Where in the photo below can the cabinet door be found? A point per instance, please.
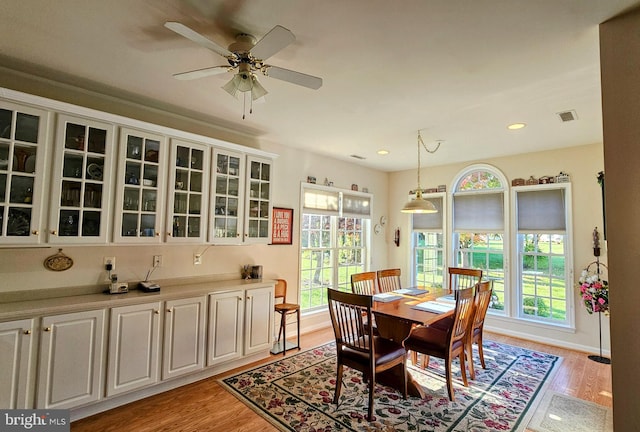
(184, 328)
(70, 368)
(80, 197)
(23, 133)
(257, 220)
(140, 187)
(134, 343)
(16, 377)
(227, 188)
(225, 326)
(258, 319)
(189, 190)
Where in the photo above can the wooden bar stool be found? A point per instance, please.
(284, 309)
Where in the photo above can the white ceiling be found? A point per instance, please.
(459, 70)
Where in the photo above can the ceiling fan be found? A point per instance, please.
(247, 56)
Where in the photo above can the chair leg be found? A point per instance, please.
(280, 330)
(336, 395)
(425, 361)
(447, 363)
(298, 318)
(414, 358)
(469, 353)
(404, 372)
(481, 352)
(463, 369)
(372, 385)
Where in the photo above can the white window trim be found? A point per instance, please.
(515, 279)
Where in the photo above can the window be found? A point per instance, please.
(479, 234)
(334, 231)
(543, 252)
(428, 244)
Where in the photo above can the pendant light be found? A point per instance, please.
(419, 204)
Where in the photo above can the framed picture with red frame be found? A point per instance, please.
(282, 226)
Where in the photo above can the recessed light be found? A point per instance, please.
(516, 126)
(383, 152)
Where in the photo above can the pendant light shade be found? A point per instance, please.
(419, 204)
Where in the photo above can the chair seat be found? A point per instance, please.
(385, 350)
(286, 307)
(429, 340)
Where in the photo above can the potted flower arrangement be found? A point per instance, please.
(594, 291)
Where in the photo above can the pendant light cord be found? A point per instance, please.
(420, 141)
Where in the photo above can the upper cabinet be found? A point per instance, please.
(258, 197)
(188, 192)
(241, 198)
(23, 137)
(71, 175)
(140, 187)
(81, 181)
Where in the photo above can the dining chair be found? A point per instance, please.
(356, 345)
(285, 309)
(460, 278)
(364, 283)
(448, 342)
(481, 300)
(388, 280)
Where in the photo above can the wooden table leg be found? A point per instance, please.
(396, 329)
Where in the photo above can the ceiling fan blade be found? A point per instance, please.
(294, 77)
(201, 73)
(277, 38)
(196, 37)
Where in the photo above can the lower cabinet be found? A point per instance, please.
(258, 320)
(134, 344)
(16, 360)
(225, 326)
(184, 328)
(70, 365)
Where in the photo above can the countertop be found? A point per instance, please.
(74, 303)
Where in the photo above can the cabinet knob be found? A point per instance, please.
(168, 234)
(35, 232)
(157, 312)
(54, 232)
(157, 234)
(169, 310)
(27, 332)
(47, 329)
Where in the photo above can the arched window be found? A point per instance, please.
(479, 209)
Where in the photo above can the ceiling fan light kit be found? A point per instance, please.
(419, 204)
(247, 56)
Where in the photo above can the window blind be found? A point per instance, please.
(321, 201)
(478, 212)
(542, 210)
(356, 206)
(429, 221)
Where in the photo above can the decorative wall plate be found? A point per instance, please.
(58, 262)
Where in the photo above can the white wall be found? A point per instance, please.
(582, 163)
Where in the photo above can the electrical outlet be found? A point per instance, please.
(110, 261)
(157, 260)
(197, 259)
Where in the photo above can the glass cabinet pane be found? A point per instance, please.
(226, 226)
(258, 216)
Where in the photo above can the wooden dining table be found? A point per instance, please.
(394, 320)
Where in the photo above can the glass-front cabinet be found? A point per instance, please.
(140, 187)
(258, 198)
(226, 204)
(23, 132)
(188, 192)
(80, 199)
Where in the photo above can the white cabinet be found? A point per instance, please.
(23, 148)
(188, 187)
(70, 368)
(140, 187)
(16, 360)
(226, 312)
(184, 329)
(134, 344)
(241, 198)
(258, 319)
(80, 206)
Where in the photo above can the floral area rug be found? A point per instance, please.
(561, 413)
(296, 393)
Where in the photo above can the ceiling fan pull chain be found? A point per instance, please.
(244, 104)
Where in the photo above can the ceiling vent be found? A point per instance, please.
(355, 156)
(567, 116)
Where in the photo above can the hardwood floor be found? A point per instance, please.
(205, 406)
